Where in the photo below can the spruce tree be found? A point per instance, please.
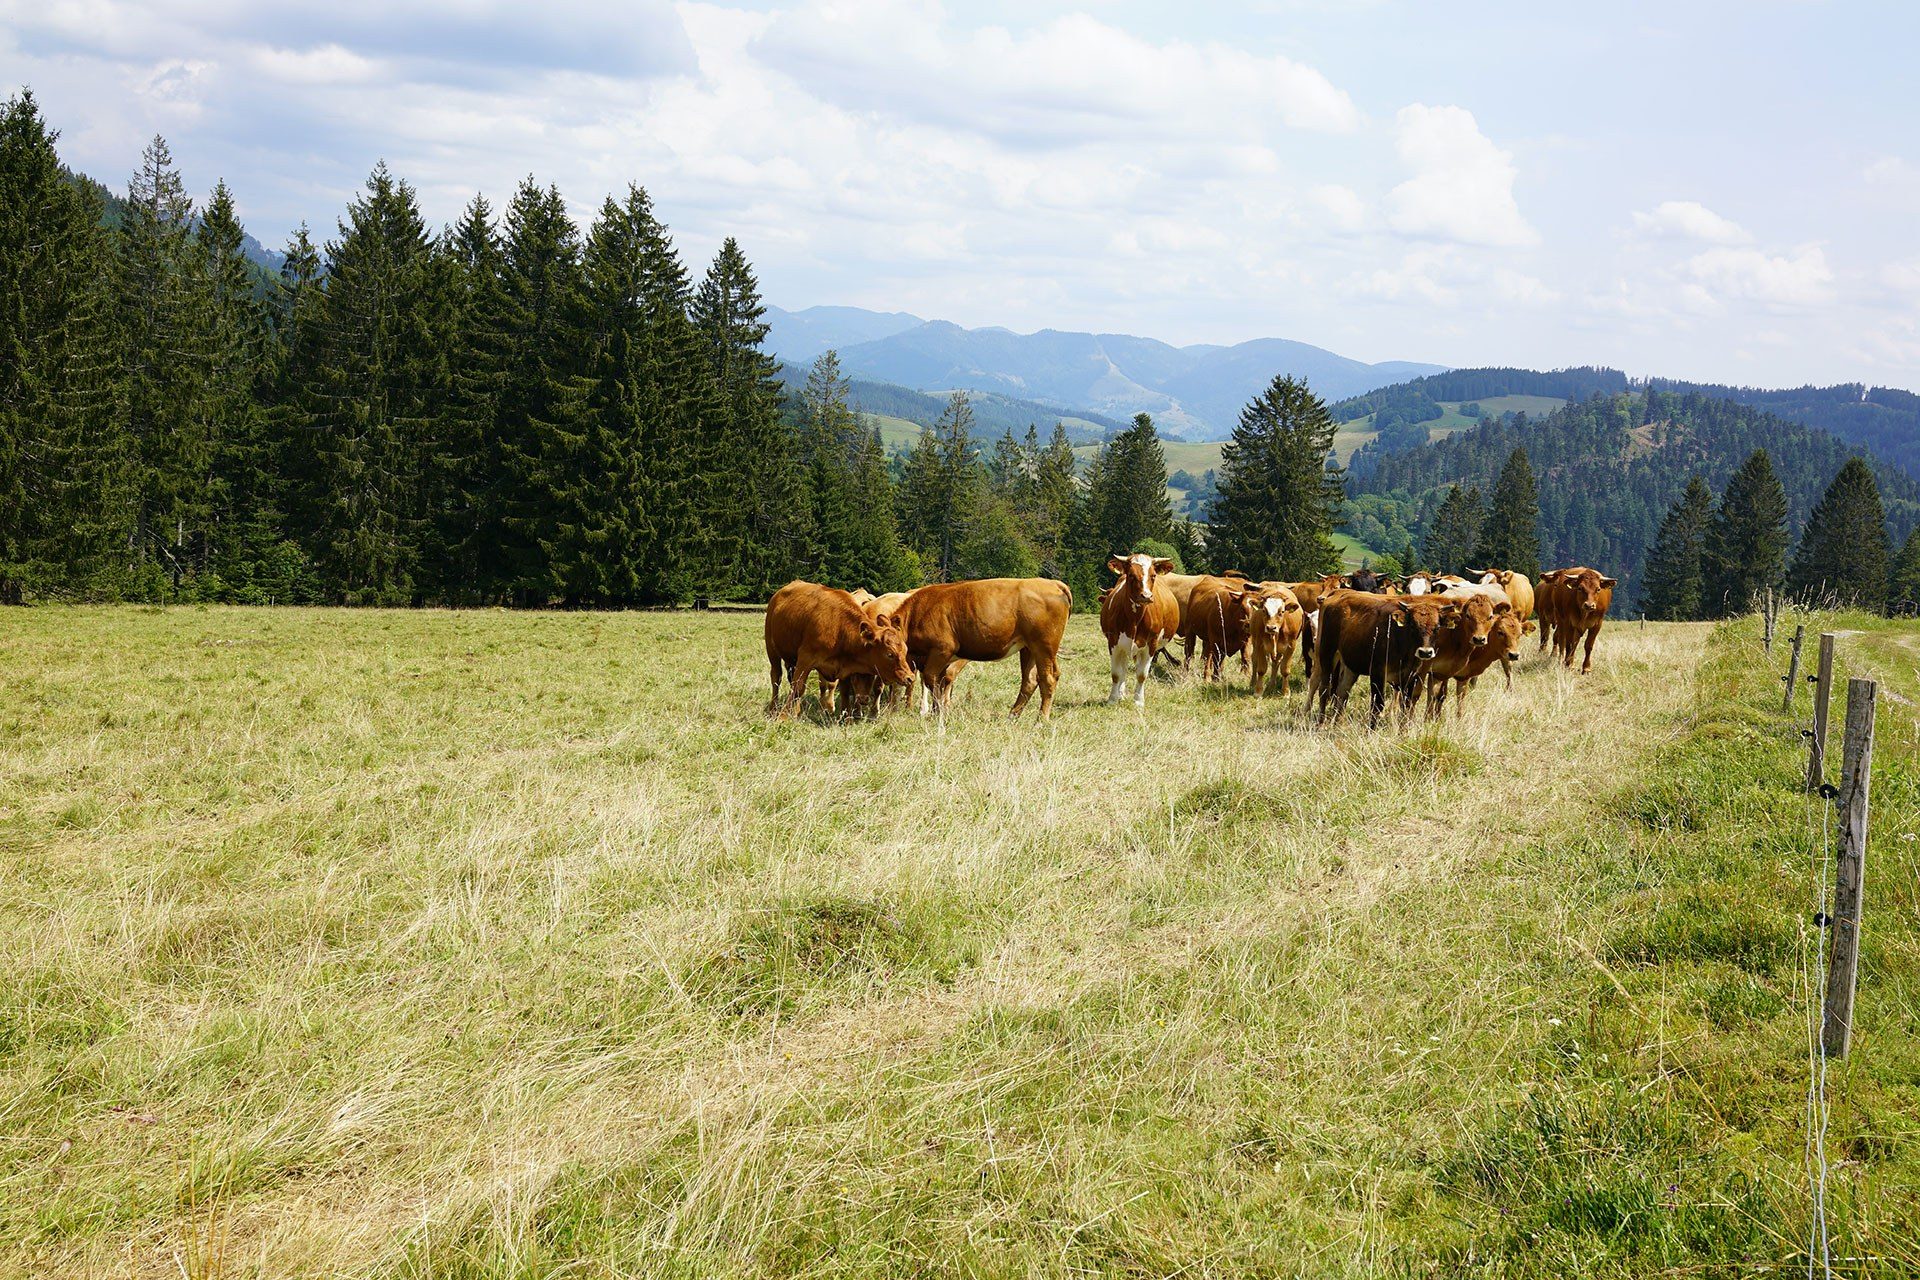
(247, 492)
(373, 393)
(940, 490)
(466, 471)
(1279, 499)
(1843, 554)
(173, 443)
(61, 464)
(830, 440)
(1055, 493)
(1510, 535)
(1746, 539)
(1454, 533)
(1675, 586)
(1128, 491)
(547, 512)
(1903, 585)
(759, 447)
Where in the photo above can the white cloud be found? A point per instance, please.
(1341, 209)
(1519, 287)
(1799, 277)
(1690, 220)
(1892, 171)
(1462, 188)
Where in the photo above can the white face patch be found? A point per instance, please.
(1417, 586)
(1273, 606)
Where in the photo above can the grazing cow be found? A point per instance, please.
(1518, 586)
(1216, 617)
(986, 620)
(813, 628)
(871, 695)
(1138, 614)
(1456, 647)
(1273, 624)
(1388, 641)
(1573, 605)
(1182, 585)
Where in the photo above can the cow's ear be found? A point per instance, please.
(1117, 563)
(1163, 565)
(1608, 582)
(1502, 606)
(867, 631)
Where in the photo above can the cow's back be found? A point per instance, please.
(986, 619)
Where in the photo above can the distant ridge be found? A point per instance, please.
(1196, 391)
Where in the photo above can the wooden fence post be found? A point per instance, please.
(1822, 695)
(1793, 667)
(1843, 953)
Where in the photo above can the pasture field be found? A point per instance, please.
(487, 945)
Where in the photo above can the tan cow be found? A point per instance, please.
(1274, 623)
(1518, 586)
(1217, 619)
(984, 621)
(810, 628)
(1138, 614)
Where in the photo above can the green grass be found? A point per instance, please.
(381, 944)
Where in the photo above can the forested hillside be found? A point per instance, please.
(992, 414)
(1608, 468)
(1883, 420)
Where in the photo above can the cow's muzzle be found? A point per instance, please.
(1424, 653)
(1478, 641)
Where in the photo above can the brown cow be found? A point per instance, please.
(1138, 614)
(1273, 625)
(1457, 647)
(984, 621)
(1217, 618)
(1389, 641)
(813, 628)
(1503, 640)
(1573, 605)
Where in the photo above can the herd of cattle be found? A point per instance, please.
(1421, 633)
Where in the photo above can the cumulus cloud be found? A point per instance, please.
(1462, 184)
(1690, 220)
(1799, 277)
(1892, 171)
(1074, 78)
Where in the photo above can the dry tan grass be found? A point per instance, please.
(376, 943)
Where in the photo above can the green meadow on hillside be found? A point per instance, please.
(417, 943)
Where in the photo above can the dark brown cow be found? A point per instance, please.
(1217, 618)
(1389, 641)
(984, 621)
(813, 628)
(1573, 604)
(1138, 614)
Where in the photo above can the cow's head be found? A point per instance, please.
(1585, 590)
(1266, 608)
(883, 644)
(1365, 580)
(1477, 616)
(1419, 619)
(1491, 577)
(1418, 584)
(1137, 573)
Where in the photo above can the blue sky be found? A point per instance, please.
(1723, 191)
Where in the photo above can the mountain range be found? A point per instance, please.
(1196, 391)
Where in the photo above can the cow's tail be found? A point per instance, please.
(1066, 591)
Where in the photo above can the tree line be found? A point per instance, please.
(514, 410)
(1608, 469)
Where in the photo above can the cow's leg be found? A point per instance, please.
(1344, 678)
(1586, 664)
(1048, 665)
(1119, 658)
(1284, 661)
(778, 669)
(935, 683)
(1506, 669)
(1258, 678)
(1460, 687)
(1142, 668)
(1029, 679)
(1186, 660)
(797, 686)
